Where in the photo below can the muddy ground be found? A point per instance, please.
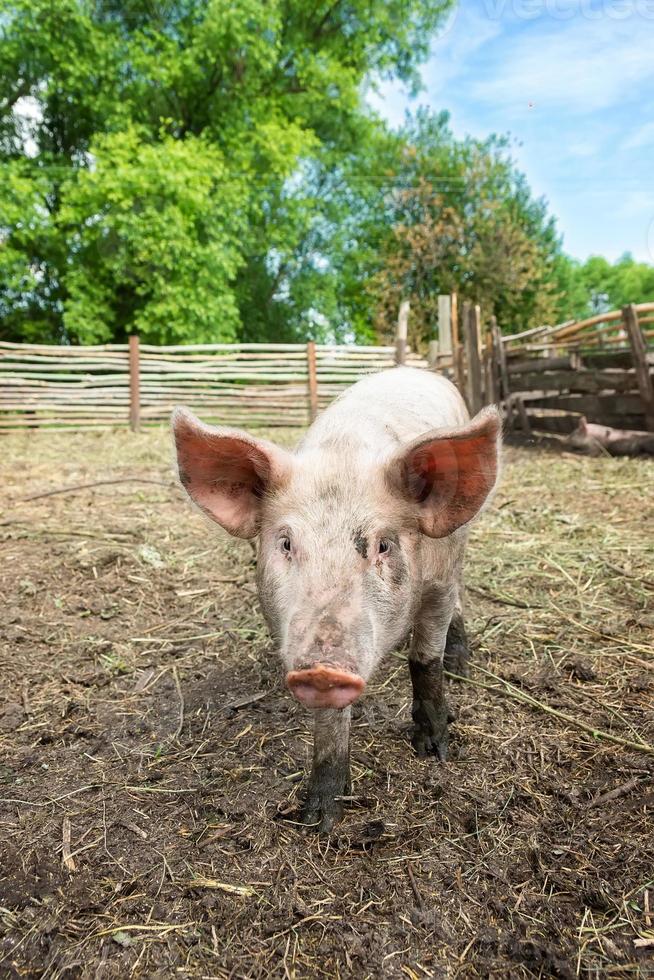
(151, 763)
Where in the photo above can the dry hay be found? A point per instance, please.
(151, 763)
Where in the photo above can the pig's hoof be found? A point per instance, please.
(430, 735)
(322, 808)
(321, 815)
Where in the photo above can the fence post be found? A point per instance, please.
(402, 330)
(500, 359)
(639, 355)
(472, 327)
(445, 324)
(134, 383)
(490, 383)
(457, 347)
(313, 379)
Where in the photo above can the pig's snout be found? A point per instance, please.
(321, 686)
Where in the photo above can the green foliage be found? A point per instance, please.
(601, 286)
(153, 158)
(161, 249)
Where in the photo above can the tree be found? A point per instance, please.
(464, 220)
(151, 142)
(597, 285)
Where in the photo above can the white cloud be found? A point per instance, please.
(578, 66)
(643, 136)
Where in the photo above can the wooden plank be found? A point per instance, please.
(560, 422)
(529, 364)
(518, 404)
(571, 330)
(639, 354)
(401, 332)
(445, 324)
(313, 380)
(458, 352)
(134, 383)
(582, 381)
(194, 348)
(63, 349)
(592, 406)
(504, 389)
(472, 327)
(510, 338)
(491, 394)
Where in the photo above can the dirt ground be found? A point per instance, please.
(151, 763)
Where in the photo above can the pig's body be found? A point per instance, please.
(362, 535)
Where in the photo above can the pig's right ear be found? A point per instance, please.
(227, 472)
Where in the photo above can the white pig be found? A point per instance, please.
(362, 531)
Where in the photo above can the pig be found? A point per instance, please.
(594, 439)
(361, 537)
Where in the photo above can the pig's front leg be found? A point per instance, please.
(430, 711)
(330, 773)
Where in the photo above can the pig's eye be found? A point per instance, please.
(285, 544)
(384, 546)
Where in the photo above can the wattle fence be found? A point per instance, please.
(137, 384)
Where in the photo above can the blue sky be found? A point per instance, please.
(572, 81)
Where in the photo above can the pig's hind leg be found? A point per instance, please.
(457, 648)
(430, 711)
(330, 773)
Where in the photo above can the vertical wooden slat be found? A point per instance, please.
(500, 358)
(445, 325)
(432, 354)
(402, 331)
(639, 354)
(490, 391)
(134, 383)
(313, 379)
(472, 327)
(518, 404)
(457, 346)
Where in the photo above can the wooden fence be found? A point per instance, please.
(545, 378)
(236, 384)
(600, 367)
(548, 377)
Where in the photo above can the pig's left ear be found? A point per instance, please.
(448, 474)
(227, 472)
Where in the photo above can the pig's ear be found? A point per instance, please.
(448, 474)
(227, 472)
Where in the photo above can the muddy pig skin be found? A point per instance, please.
(362, 531)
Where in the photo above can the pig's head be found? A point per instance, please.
(341, 561)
